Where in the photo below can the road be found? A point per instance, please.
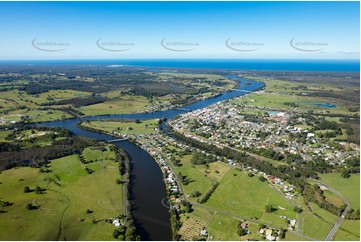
(338, 223)
(180, 185)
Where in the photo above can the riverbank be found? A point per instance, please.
(175, 200)
(148, 188)
(75, 197)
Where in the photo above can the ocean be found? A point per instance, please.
(229, 64)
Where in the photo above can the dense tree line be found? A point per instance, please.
(175, 224)
(269, 153)
(325, 124)
(209, 193)
(38, 156)
(353, 214)
(315, 194)
(353, 164)
(79, 101)
(351, 96)
(34, 88)
(126, 232)
(199, 158)
(8, 147)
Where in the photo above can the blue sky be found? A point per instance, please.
(277, 30)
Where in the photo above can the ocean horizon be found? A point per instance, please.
(323, 65)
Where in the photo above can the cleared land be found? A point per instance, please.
(305, 95)
(349, 230)
(280, 100)
(247, 197)
(70, 192)
(125, 104)
(237, 194)
(317, 222)
(124, 127)
(349, 187)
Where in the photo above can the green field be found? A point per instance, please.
(247, 197)
(64, 205)
(10, 102)
(3, 135)
(92, 154)
(349, 187)
(316, 227)
(333, 198)
(220, 227)
(278, 100)
(55, 95)
(125, 104)
(349, 230)
(36, 115)
(124, 127)
(199, 182)
(238, 195)
(277, 92)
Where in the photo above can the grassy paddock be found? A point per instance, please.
(144, 127)
(125, 104)
(315, 227)
(349, 187)
(247, 197)
(349, 230)
(65, 203)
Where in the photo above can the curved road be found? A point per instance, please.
(338, 223)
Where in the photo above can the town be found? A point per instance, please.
(271, 133)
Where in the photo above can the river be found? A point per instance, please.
(148, 189)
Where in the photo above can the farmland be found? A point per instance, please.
(123, 127)
(126, 104)
(74, 203)
(232, 196)
(115, 91)
(349, 187)
(305, 95)
(323, 219)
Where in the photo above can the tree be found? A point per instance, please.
(262, 179)
(262, 226)
(27, 189)
(137, 121)
(116, 234)
(188, 208)
(250, 174)
(29, 206)
(282, 233)
(196, 194)
(38, 190)
(345, 173)
(298, 209)
(269, 208)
